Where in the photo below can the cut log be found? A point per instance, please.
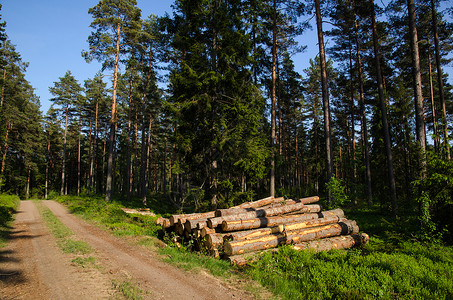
(189, 225)
(338, 242)
(179, 229)
(277, 202)
(245, 224)
(214, 222)
(292, 237)
(214, 240)
(308, 200)
(247, 207)
(258, 203)
(203, 224)
(142, 211)
(334, 212)
(251, 234)
(182, 218)
(206, 230)
(165, 223)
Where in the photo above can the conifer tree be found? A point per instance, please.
(116, 24)
(66, 92)
(325, 95)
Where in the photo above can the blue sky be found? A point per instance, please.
(50, 35)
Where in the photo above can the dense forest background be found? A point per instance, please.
(204, 108)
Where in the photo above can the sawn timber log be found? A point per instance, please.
(245, 224)
(337, 242)
(293, 237)
(214, 222)
(277, 202)
(251, 234)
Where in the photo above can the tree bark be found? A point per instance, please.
(286, 227)
(9, 127)
(3, 87)
(46, 183)
(184, 217)
(63, 166)
(246, 224)
(273, 97)
(440, 80)
(299, 207)
(109, 181)
(79, 157)
(385, 125)
(276, 201)
(433, 106)
(325, 97)
(27, 189)
(363, 118)
(416, 74)
(274, 240)
(338, 242)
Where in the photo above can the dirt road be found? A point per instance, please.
(33, 267)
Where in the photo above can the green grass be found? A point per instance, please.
(63, 234)
(76, 247)
(84, 262)
(8, 206)
(111, 216)
(129, 290)
(196, 261)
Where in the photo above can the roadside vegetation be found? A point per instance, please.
(8, 206)
(63, 234)
(398, 263)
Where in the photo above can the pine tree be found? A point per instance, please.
(66, 92)
(117, 23)
(325, 96)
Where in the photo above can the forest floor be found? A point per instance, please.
(32, 266)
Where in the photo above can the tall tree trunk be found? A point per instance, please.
(46, 183)
(3, 87)
(9, 127)
(78, 158)
(90, 155)
(273, 97)
(128, 155)
(351, 140)
(385, 125)
(325, 97)
(148, 162)
(109, 181)
(440, 81)
(416, 74)
(63, 175)
(363, 120)
(27, 189)
(94, 161)
(433, 107)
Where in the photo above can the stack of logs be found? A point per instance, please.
(241, 232)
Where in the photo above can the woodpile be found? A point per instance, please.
(242, 232)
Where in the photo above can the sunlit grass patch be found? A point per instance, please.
(84, 262)
(62, 233)
(129, 290)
